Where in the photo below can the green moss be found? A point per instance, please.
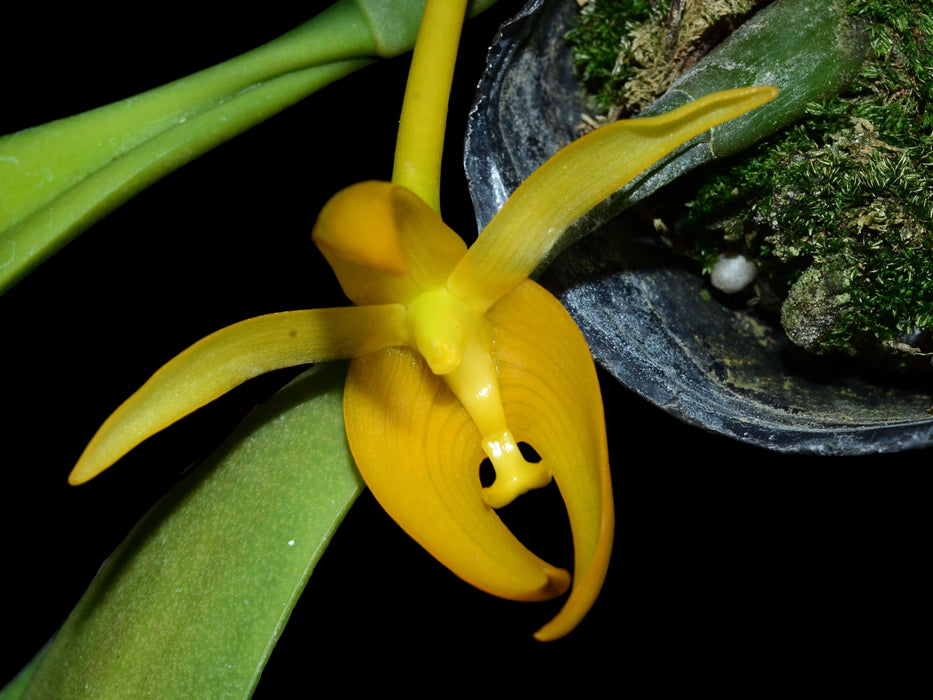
(837, 208)
(839, 203)
(598, 37)
(846, 192)
(627, 52)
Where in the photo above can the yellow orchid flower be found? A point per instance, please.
(456, 355)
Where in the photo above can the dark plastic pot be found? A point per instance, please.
(650, 319)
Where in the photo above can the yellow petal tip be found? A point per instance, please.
(85, 470)
(558, 582)
(76, 479)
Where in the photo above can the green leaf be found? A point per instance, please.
(192, 602)
(57, 179)
(810, 49)
(17, 686)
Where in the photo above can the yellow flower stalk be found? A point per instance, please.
(456, 355)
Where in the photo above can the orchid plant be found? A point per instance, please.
(456, 354)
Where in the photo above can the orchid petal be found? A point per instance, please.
(419, 452)
(385, 244)
(573, 181)
(552, 400)
(229, 357)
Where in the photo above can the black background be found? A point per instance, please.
(734, 567)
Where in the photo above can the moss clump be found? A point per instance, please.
(845, 193)
(597, 40)
(628, 52)
(841, 202)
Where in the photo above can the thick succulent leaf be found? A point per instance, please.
(59, 178)
(420, 455)
(552, 400)
(519, 239)
(16, 687)
(227, 358)
(385, 244)
(192, 602)
(42, 225)
(395, 24)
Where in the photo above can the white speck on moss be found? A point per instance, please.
(732, 273)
